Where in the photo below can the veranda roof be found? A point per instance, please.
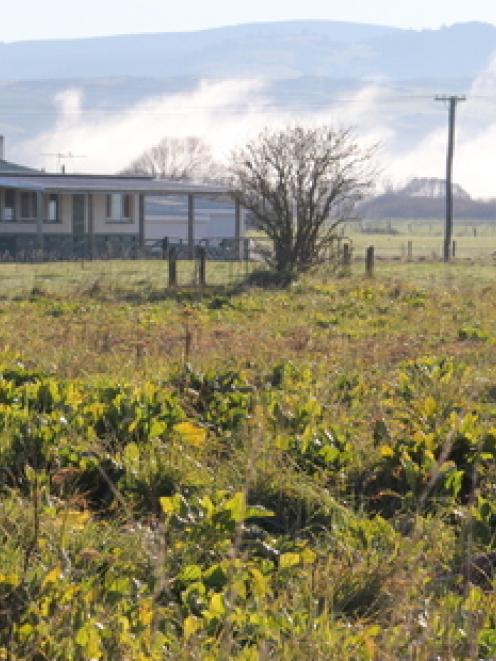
(76, 183)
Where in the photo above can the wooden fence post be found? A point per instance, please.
(172, 267)
(369, 261)
(453, 249)
(346, 255)
(202, 271)
(410, 251)
(165, 247)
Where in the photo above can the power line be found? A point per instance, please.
(261, 107)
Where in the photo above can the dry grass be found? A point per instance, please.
(130, 330)
(374, 588)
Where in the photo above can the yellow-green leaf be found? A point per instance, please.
(132, 454)
(216, 607)
(76, 520)
(53, 576)
(288, 560)
(259, 582)
(191, 433)
(308, 556)
(190, 626)
(30, 473)
(237, 507)
(89, 639)
(10, 579)
(145, 612)
(168, 505)
(190, 573)
(429, 406)
(386, 451)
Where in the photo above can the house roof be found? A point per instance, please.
(77, 183)
(6, 167)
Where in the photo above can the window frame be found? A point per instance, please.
(124, 204)
(52, 198)
(31, 206)
(12, 207)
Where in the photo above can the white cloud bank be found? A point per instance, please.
(475, 149)
(226, 113)
(222, 112)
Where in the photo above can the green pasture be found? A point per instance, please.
(246, 473)
(145, 278)
(474, 239)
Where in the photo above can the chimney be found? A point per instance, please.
(2, 148)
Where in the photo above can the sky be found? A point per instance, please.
(104, 139)
(49, 19)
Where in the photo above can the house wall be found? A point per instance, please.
(65, 226)
(102, 225)
(166, 216)
(23, 238)
(24, 227)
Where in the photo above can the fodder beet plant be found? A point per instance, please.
(259, 475)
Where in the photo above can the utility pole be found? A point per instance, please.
(448, 228)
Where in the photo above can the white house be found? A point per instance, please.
(107, 215)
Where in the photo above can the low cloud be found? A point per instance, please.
(221, 112)
(226, 113)
(475, 147)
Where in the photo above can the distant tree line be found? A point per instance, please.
(424, 199)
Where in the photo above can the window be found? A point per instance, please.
(9, 204)
(114, 206)
(53, 215)
(29, 205)
(119, 207)
(127, 206)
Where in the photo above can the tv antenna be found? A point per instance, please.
(61, 157)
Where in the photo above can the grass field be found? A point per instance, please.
(473, 239)
(265, 474)
(144, 276)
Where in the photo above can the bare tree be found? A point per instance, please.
(299, 184)
(179, 159)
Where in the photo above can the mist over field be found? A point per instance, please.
(108, 99)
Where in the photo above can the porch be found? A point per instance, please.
(73, 216)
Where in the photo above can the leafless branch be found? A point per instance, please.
(314, 174)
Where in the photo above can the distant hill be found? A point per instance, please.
(276, 50)
(307, 68)
(255, 49)
(424, 198)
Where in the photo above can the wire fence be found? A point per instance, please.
(422, 240)
(172, 263)
(126, 278)
(51, 248)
